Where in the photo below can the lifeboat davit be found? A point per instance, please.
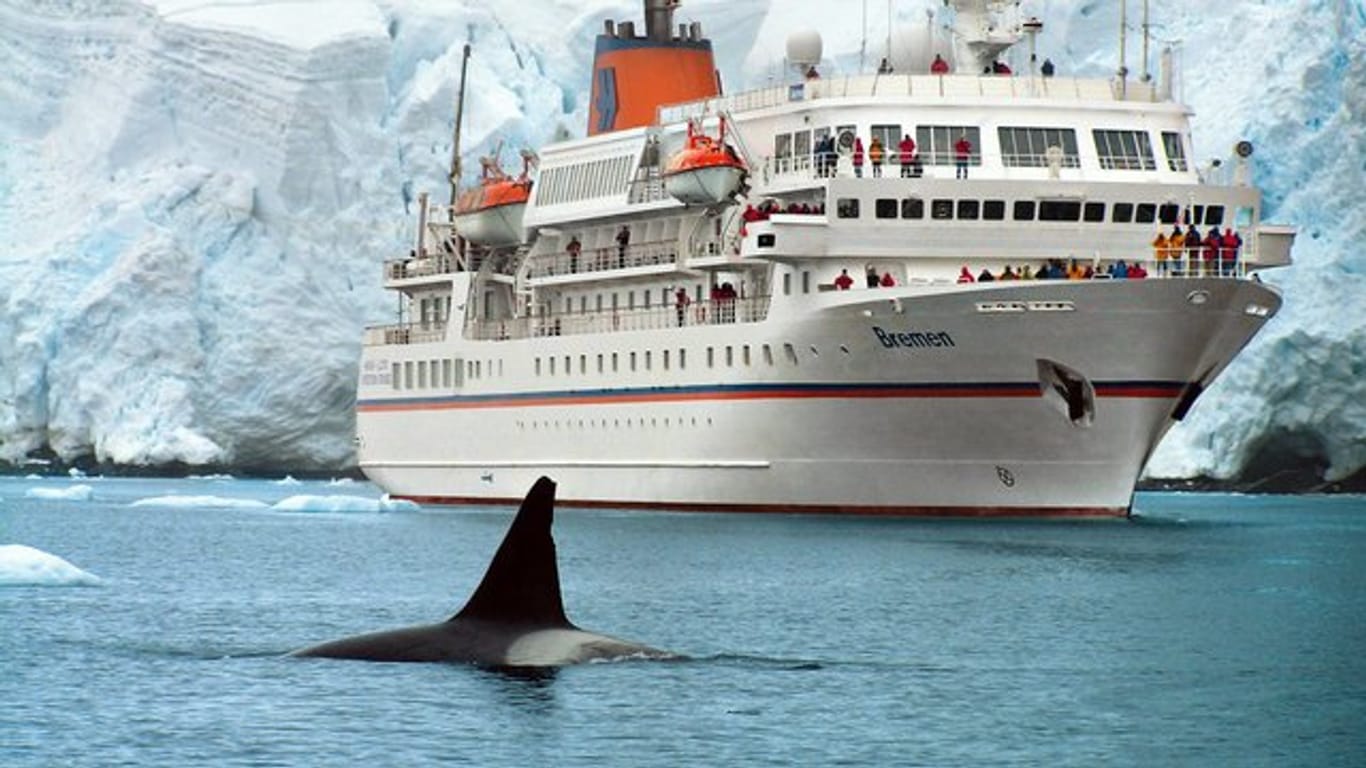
(491, 213)
(705, 171)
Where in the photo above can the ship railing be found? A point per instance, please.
(425, 266)
(919, 86)
(693, 313)
(609, 258)
(932, 164)
(404, 333)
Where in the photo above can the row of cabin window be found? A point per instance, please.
(440, 374)
(1031, 210)
(730, 356)
(584, 181)
(1021, 147)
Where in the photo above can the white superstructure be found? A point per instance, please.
(713, 362)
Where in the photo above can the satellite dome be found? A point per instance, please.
(804, 49)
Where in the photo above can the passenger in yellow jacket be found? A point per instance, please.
(1160, 252)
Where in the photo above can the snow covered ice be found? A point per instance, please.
(23, 566)
(196, 195)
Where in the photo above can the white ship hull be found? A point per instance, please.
(951, 424)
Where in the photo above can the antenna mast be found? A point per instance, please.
(459, 116)
(1123, 51)
(1147, 35)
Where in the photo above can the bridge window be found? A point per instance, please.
(935, 143)
(1024, 210)
(1176, 151)
(1093, 212)
(782, 146)
(1214, 215)
(1122, 213)
(912, 208)
(1169, 213)
(1124, 150)
(1028, 147)
(968, 210)
(885, 208)
(847, 208)
(941, 209)
(994, 210)
(1146, 213)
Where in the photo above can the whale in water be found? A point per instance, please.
(514, 619)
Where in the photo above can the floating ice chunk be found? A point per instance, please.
(75, 472)
(69, 493)
(22, 566)
(199, 502)
(211, 477)
(305, 503)
(341, 481)
(287, 480)
(33, 477)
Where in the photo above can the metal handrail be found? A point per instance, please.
(695, 313)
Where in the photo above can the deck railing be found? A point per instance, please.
(712, 312)
(593, 260)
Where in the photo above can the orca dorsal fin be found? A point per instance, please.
(522, 584)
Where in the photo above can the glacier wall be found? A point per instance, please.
(196, 195)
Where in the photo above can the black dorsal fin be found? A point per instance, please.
(522, 584)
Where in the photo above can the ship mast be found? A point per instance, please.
(459, 117)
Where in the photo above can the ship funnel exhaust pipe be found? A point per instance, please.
(659, 19)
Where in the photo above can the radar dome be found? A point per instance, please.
(912, 50)
(804, 49)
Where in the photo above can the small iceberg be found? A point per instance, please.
(69, 493)
(287, 480)
(199, 502)
(344, 504)
(22, 566)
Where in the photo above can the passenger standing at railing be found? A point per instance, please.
(623, 240)
(858, 157)
(1176, 244)
(1193, 242)
(574, 249)
(844, 282)
(908, 158)
(1160, 252)
(1212, 242)
(1074, 272)
(1047, 68)
(964, 276)
(1228, 253)
(871, 276)
(888, 281)
(875, 155)
(939, 66)
(963, 152)
(681, 302)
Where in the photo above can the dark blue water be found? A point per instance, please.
(1217, 630)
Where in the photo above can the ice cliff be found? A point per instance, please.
(195, 196)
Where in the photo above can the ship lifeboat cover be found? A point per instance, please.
(704, 172)
(491, 213)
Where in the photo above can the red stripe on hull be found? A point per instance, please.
(1035, 513)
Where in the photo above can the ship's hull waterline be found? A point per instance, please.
(923, 406)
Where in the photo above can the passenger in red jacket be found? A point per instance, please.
(1228, 252)
(964, 276)
(858, 157)
(939, 66)
(887, 280)
(908, 159)
(1211, 253)
(844, 282)
(962, 154)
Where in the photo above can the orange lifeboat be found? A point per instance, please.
(491, 213)
(705, 171)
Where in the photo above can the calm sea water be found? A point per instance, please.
(1216, 630)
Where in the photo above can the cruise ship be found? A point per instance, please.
(720, 302)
